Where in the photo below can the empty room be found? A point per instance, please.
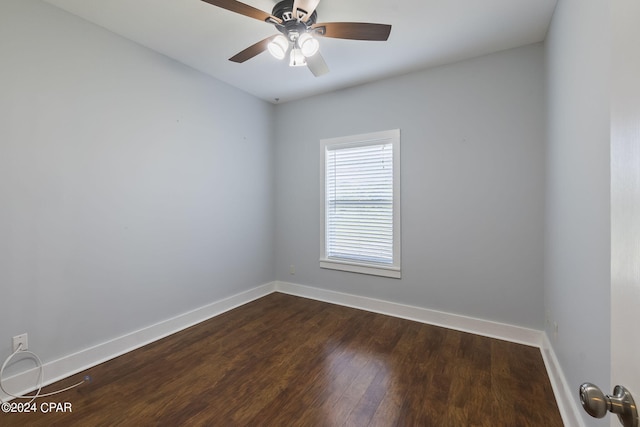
(319, 213)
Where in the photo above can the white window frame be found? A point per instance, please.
(392, 270)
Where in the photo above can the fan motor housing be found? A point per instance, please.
(291, 24)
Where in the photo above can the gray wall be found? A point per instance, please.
(132, 188)
(472, 185)
(577, 248)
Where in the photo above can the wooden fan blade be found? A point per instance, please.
(353, 30)
(317, 65)
(244, 9)
(307, 5)
(252, 50)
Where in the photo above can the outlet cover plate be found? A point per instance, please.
(20, 339)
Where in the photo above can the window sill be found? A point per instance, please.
(373, 270)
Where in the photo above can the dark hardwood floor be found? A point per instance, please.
(289, 361)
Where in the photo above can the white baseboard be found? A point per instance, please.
(486, 328)
(72, 364)
(564, 396)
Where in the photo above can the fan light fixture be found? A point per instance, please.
(296, 58)
(304, 46)
(278, 46)
(308, 45)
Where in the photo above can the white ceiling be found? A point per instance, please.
(424, 33)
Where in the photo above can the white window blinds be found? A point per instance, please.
(359, 203)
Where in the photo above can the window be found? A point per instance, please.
(360, 203)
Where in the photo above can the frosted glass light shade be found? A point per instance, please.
(296, 58)
(308, 45)
(278, 47)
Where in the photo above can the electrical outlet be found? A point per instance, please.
(555, 331)
(20, 339)
(292, 269)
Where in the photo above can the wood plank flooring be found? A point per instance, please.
(289, 361)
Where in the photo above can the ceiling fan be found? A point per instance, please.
(296, 21)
